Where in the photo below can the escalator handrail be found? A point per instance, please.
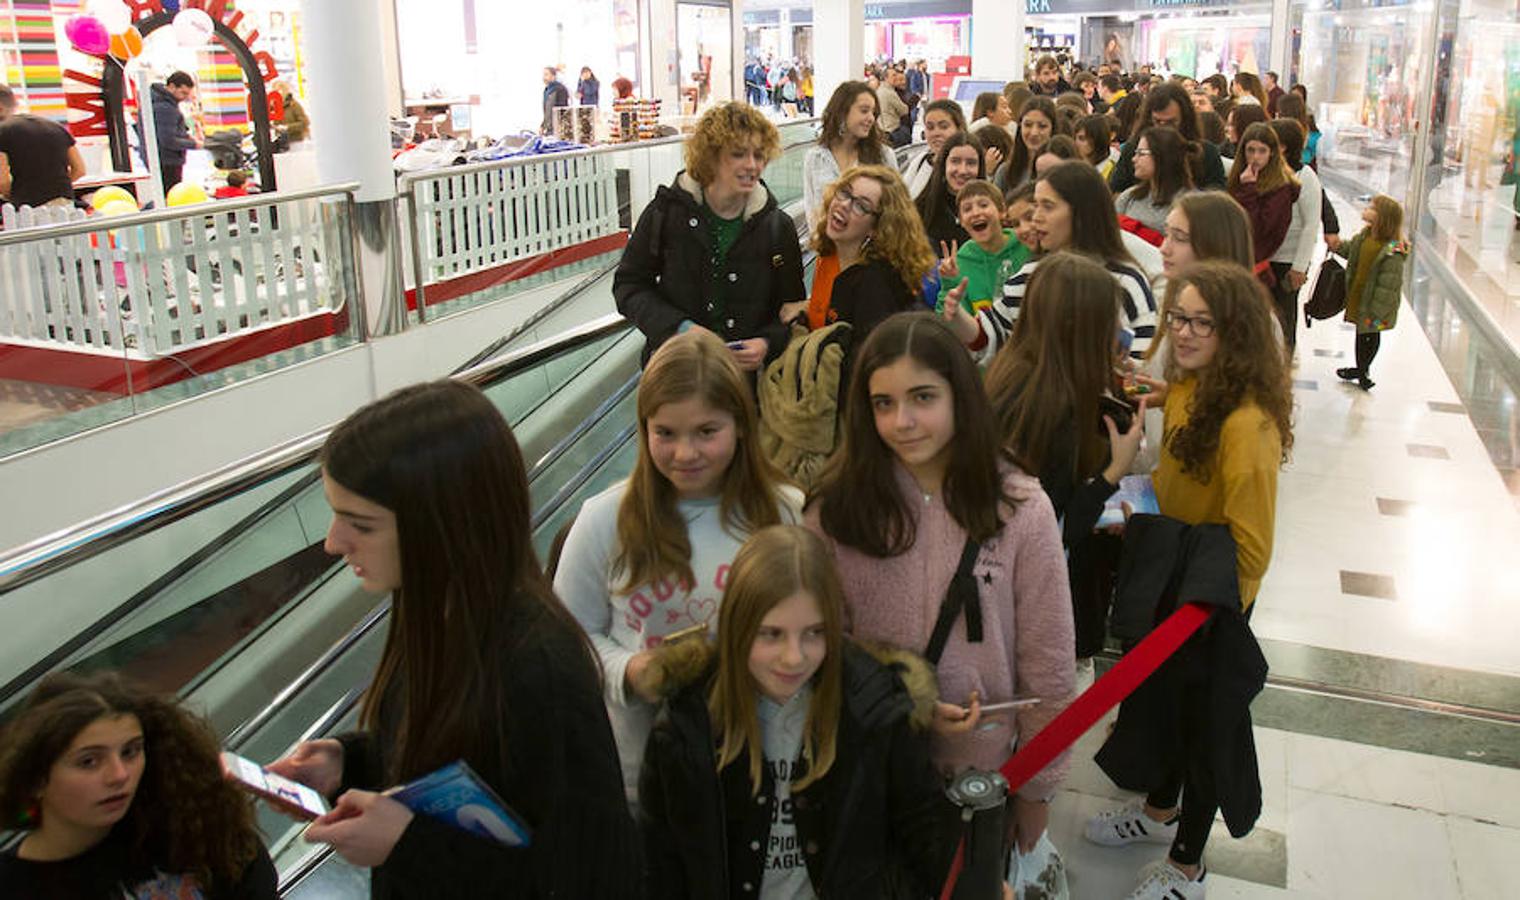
(539, 316)
(67, 547)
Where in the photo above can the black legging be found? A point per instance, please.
(1193, 779)
(1366, 350)
(1285, 300)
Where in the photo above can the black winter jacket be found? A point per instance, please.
(877, 826)
(867, 293)
(555, 765)
(663, 276)
(1220, 668)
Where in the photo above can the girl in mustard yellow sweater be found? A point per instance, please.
(1228, 401)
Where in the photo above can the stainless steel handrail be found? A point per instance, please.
(64, 548)
(176, 213)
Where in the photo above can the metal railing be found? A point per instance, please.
(157, 283)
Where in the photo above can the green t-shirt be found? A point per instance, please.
(724, 233)
(985, 272)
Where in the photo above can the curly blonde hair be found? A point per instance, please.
(726, 127)
(899, 239)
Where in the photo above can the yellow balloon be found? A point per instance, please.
(111, 194)
(117, 208)
(186, 194)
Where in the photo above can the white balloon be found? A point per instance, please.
(192, 27)
(113, 14)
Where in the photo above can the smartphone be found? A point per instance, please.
(735, 345)
(1017, 703)
(290, 797)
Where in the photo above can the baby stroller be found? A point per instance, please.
(226, 149)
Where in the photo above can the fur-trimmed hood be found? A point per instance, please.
(759, 198)
(881, 683)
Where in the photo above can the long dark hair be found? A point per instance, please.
(1173, 159)
(936, 198)
(1094, 227)
(441, 457)
(860, 505)
(1100, 134)
(869, 151)
(1044, 384)
(186, 817)
(1021, 166)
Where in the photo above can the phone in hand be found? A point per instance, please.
(735, 345)
(290, 797)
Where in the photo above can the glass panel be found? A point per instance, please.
(1363, 66)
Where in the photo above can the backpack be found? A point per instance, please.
(800, 396)
(1329, 296)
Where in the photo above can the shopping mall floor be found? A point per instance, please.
(1387, 584)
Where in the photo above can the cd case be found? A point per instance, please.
(457, 796)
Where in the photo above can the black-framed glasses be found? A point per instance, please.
(859, 206)
(1201, 326)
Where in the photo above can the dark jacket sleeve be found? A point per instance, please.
(362, 765)
(1270, 216)
(1122, 178)
(787, 286)
(1078, 505)
(258, 882)
(1214, 177)
(635, 284)
(664, 873)
(564, 781)
(923, 819)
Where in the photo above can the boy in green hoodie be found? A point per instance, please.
(994, 253)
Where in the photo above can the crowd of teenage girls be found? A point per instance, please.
(859, 550)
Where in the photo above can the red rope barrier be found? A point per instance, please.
(1084, 712)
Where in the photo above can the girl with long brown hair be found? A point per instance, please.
(1228, 403)
(927, 515)
(1164, 164)
(649, 556)
(431, 505)
(1262, 183)
(960, 162)
(848, 137)
(1054, 392)
(119, 792)
(788, 759)
(1037, 124)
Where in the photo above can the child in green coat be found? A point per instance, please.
(1374, 282)
(994, 253)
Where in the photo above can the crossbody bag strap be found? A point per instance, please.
(962, 594)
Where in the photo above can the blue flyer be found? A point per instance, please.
(1134, 490)
(455, 794)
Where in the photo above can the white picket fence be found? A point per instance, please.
(154, 284)
(471, 218)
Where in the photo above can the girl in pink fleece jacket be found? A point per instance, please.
(918, 473)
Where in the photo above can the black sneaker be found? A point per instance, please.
(1349, 374)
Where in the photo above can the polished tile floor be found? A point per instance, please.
(1397, 524)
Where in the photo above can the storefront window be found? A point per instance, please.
(1201, 44)
(706, 38)
(1362, 65)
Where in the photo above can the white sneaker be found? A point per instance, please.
(1085, 674)
(1161, 880)
(1129, 825)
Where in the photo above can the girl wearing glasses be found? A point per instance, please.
(871, 249)
(1228, 431)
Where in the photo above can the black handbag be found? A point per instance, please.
(1329, 295)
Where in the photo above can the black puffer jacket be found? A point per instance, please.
(663, 277)
(878, 825)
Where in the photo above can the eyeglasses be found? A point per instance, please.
(1201, 326)
(857, 205)
(1142, 152)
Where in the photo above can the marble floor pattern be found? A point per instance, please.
(1393, 531)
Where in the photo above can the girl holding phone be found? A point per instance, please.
(120, 792)
(920, 500)
(788, 751)
(650, 556)
(430, 504)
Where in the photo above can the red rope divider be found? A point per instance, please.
(1084, 712)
